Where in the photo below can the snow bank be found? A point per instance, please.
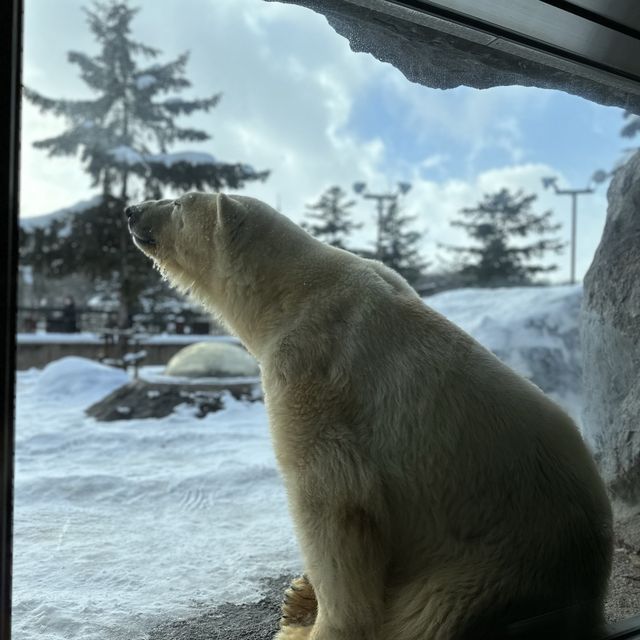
(78, 381)
(120, 525)
(534, 330)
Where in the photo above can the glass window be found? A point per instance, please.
(148, 498)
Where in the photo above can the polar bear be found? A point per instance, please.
(436, 494)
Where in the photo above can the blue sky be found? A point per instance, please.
(525, 125)
(298, 101)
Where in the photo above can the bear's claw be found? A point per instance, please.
(299, 606)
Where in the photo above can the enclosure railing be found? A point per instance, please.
(91, 320)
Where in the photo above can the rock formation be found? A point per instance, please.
(611, 338)
(444, 55)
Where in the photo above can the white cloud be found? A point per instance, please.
(436, 204)
(289, 85)
(47, 184)
(285, 100)
(479, 119)
(433, 161)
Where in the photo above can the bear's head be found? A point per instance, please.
(209, 243)
(192, 238)
(176, 234)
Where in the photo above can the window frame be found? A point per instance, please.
(11, 12)
(11, 34)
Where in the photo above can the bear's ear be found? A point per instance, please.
(229, 212)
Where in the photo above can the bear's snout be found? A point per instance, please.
(133, 213)
(129, 211)
(141, 233)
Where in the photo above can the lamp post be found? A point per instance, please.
(380, 199)
(597, 178)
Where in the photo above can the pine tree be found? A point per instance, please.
(333, 215)
(398, 246)
(493, 224)
(122, 137)
(633, 125)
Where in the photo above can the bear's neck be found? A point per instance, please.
(261, 301)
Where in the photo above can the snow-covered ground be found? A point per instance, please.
(120, 525)
(533, 329)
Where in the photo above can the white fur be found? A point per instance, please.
(431, 487)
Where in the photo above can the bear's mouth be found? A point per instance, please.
(142, 240)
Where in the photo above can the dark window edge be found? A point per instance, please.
(11, 21)
(527, 41)
(626, 629)
(10, 88)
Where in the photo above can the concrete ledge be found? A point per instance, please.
(37, 350)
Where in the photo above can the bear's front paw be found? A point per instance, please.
(293, 633)
(299, 607)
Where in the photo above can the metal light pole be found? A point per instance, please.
(381, 199)
(598, 177)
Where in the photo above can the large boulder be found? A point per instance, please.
(140, 399)
(212, 360)
(611, 339)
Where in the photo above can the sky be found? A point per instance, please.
(296, 100)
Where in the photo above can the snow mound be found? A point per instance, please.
(212, 360)
(78, 381)
(534, 330)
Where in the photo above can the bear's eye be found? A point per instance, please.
(177, 204)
